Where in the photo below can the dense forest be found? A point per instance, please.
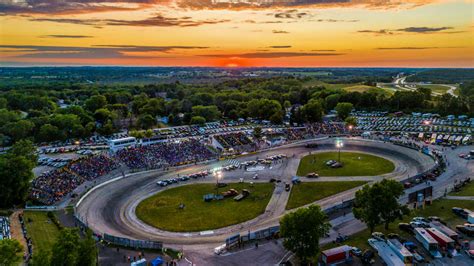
(57, 111)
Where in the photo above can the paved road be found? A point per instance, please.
(400, 83)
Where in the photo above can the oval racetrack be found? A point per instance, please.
(110, 208)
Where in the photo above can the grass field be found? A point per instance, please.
(308, 192)
(467, 190)
(355, 164)
(440, 208)
(436, 88)
(161, 210)
(42, 231)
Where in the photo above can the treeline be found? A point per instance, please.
(443, 76)
(77, 111)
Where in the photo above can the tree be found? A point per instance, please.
(40, 258)
(87, 251)
(344, 109)
(19, 130)
(95, 102)
(64, 250)
(378, 203)
(302, 229)
(312, 111)
(15, 173)
(351, 121)
(146, 121)
(257, 133)
(10, 252)
(331, 101)
(198, 120)
(210, 113)
(49, 133)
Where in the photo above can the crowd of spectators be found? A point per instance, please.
(165, 154)
(93, 167)
(328, 128)
(53, 186)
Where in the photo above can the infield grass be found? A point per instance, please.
(162, 210)
(308, 192)
(354, 164)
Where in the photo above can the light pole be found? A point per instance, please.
(339, 145)
(218, 176)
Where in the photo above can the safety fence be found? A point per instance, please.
(238, 240)
(123, 241)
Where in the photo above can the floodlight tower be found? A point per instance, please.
(339, 145)
(217, 175)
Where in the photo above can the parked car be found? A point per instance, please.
(312, 175)
(405, 227)
(356, 251)
(378, 236)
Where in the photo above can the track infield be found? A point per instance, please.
(354, 164)
(162, 210)
(308, 192)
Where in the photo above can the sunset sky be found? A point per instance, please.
(238, 33)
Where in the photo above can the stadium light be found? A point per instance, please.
(339, 145)
(217, 175)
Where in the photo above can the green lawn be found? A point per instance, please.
(42, 231)
(355, 164)
(440, 208)
(436, 88)
(161, 210)
(308, 192)
(467, 190)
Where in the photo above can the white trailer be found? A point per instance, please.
(385, 252)
(428, 242)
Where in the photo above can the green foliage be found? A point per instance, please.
(302, 229)
(95, 102)
(146, 121)
(351, 121)
(40, 258)
(15, 173)
(65, 249)
(312, 111)
(257, 133)
(10, 252)
(198, 120)
(378, 203)
(344, 109)
(210, 113)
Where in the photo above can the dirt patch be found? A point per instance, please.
(15, 228)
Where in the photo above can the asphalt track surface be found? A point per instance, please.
(111, 208)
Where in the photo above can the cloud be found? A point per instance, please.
(270, 55)
(414, 48)
(11, 7)
(280, 32)
(65, 36)
(17, 7)
(337, 20)
(420, 30)
(323, 50)
(424, 29)
(268, 4)
(155, 21)
(279, 46)
(290, 14)
(98, 51)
